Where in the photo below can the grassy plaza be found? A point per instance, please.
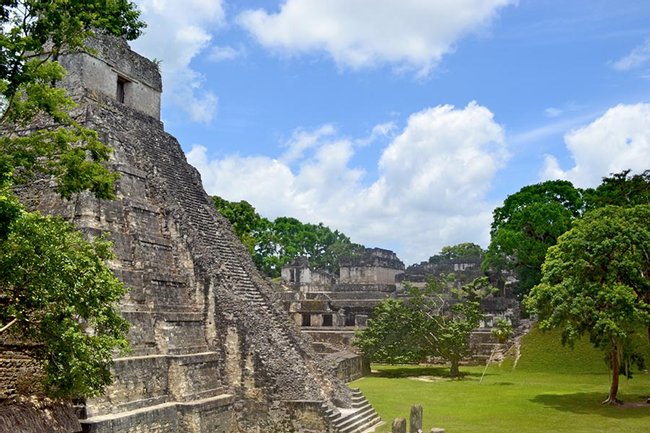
(550, 389)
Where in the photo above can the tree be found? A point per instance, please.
(596, 281)
(246, 222)
(273, 244)
(455, 325)
(58, 293)
(389, 336)
(427, 323)
(34, 34)
(459, 251)
(528, 223)
(56, 290)
(620, 189)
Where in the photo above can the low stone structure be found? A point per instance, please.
(211, 352)
(376, 266)
(330, 309)
(453, 271)
(320, 300)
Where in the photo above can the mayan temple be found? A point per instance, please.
(211, 352)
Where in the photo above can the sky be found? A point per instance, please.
(401, 123)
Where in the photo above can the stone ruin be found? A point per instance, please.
(211, 352)
(330, 309)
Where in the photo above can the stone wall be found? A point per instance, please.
(348, 366)
(463, 270)
(109, 67)
(38, 416)
(19, 372)
(374, 266)
(300, 277)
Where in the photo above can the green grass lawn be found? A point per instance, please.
(552, 389)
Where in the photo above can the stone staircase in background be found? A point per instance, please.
(274, 328)
(358, 419)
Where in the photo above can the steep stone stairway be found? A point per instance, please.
(360, 418)
(270, 330)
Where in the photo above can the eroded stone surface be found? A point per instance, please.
(415, 421)
(399, 425)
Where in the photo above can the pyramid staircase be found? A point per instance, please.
(358, 419)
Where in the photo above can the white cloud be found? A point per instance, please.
(302, 140)
(553, 112)
(430, 191)
(221, 53)
(638, 57)
(617, 141)
(382, 130)
(408, 34)
(176, 33)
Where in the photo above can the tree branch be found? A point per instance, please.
(4, 328)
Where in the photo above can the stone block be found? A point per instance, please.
(416, 419)
(399, 425)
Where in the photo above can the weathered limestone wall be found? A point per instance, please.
(348, 366)
(38, 416)
(464, 270)
(19, 372)
(300, 277)
(375, 266)
(107, 59)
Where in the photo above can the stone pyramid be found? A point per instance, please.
(212, 352)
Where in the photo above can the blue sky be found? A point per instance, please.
(402, 123)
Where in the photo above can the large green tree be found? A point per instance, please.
(425, 324)
(528, 223)
(55, 288)
(596, 281)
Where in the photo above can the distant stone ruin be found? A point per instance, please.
(330, 309)
(211, 352)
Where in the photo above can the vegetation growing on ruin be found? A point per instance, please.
(55, 288)
(465, 250)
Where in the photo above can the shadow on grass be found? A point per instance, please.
(398, 372)
(590, 403)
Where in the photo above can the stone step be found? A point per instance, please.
(354, 421)
(369, 426)
(358, 401)
(135, 417)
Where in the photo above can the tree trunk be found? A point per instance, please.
(453, 372)
(615, 365)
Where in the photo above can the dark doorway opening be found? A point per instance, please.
(121, 89)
